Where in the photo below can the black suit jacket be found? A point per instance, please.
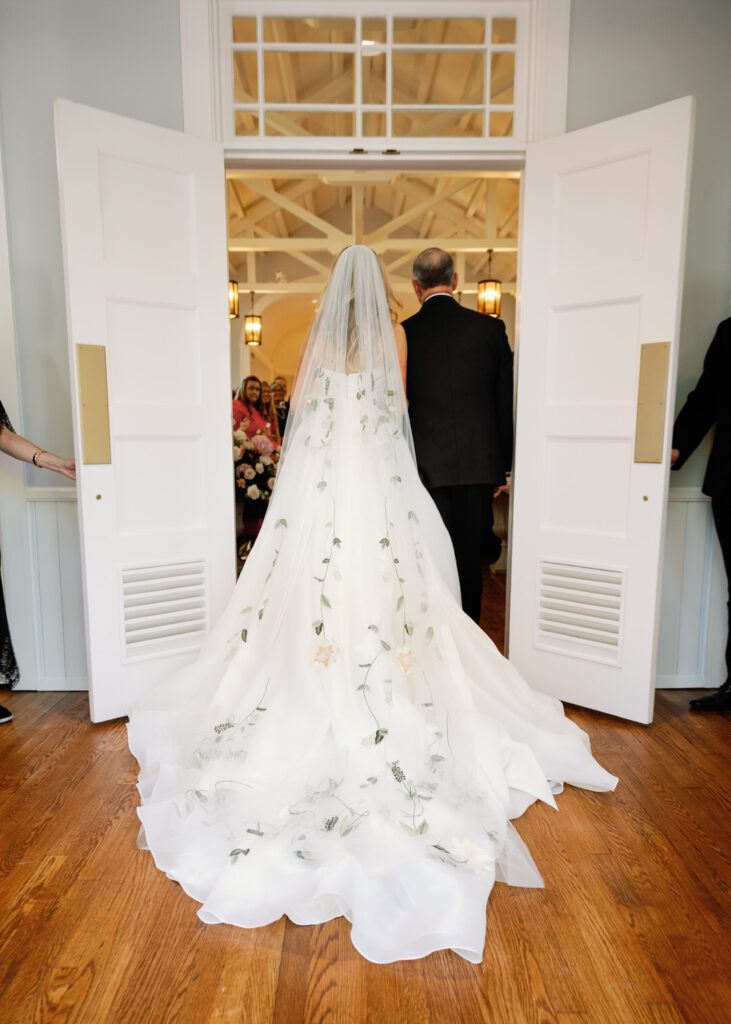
(459, 382)
(709, 403)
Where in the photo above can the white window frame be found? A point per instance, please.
(229, 9)
(541, 84)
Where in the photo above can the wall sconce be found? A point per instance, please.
(233, 300)
(252, 327)
(489, 292)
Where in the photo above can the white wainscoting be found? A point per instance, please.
(693, 614)
(56, 586)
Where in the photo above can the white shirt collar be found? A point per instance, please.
(436, 294)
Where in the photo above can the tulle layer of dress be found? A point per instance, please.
(349, 742)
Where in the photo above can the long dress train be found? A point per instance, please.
(349, 742)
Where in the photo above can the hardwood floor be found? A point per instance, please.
(632, 925)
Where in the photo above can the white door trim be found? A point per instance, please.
(16, 556)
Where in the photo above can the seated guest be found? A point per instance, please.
(248, 414)
(281, 405)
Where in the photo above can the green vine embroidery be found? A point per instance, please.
(363, 688)
(225, 731)
(407, 628)
(319, 624)
(411, 790)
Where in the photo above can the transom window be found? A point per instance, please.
(377, 78)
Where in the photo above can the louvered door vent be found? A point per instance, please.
(580, 609)
(165, 608)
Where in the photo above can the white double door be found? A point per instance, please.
(144, 232)
(143, 224)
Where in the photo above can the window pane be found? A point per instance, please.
(245, 123)
(374, 78)
(374, 123)
(244, 30)
(308, 77)
(503, 30)
(466, 123)
(307, 122)
(309, 30)
(374, 29)
(501, 123)
(439, 30)
(433, 77)
(246, 85)
(502, 77)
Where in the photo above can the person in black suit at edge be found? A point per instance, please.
(459, 384)
(706, 405)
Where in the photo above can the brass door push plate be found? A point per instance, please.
(94, 405)
(651, 398)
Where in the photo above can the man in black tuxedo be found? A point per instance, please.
(459, 383)
(710, 403)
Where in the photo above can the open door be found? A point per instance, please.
(602, 253)
(144, 237)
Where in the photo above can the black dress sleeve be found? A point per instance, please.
(5, 423)
(700, 411)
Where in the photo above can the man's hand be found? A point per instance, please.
(674, 456)
(505, 489)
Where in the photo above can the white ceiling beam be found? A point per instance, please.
(415, 211)
(315, 285)
(264, 208)
(308, 261)
(294, 245)
(283, 202)
(348, 177)
(449, 209)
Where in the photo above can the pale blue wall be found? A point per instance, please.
(631, 54)
(120, 55)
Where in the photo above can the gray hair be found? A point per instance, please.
(432, 268)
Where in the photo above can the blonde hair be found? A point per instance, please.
(394, 305)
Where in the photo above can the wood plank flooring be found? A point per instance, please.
(632, 926)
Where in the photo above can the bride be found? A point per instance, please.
(348, 741)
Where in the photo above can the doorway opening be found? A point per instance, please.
(285, 227)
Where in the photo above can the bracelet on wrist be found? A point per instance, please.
(39, 451)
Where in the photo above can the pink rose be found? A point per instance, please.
(261, 444)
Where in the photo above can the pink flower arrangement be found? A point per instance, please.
(255, 466)
(262, 444)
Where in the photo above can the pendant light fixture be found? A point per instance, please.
(233, 300)
(252, 327)
(489, 292)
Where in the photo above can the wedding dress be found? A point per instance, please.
(349, 742)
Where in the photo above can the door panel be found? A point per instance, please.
(144, 234)
(602, 253)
